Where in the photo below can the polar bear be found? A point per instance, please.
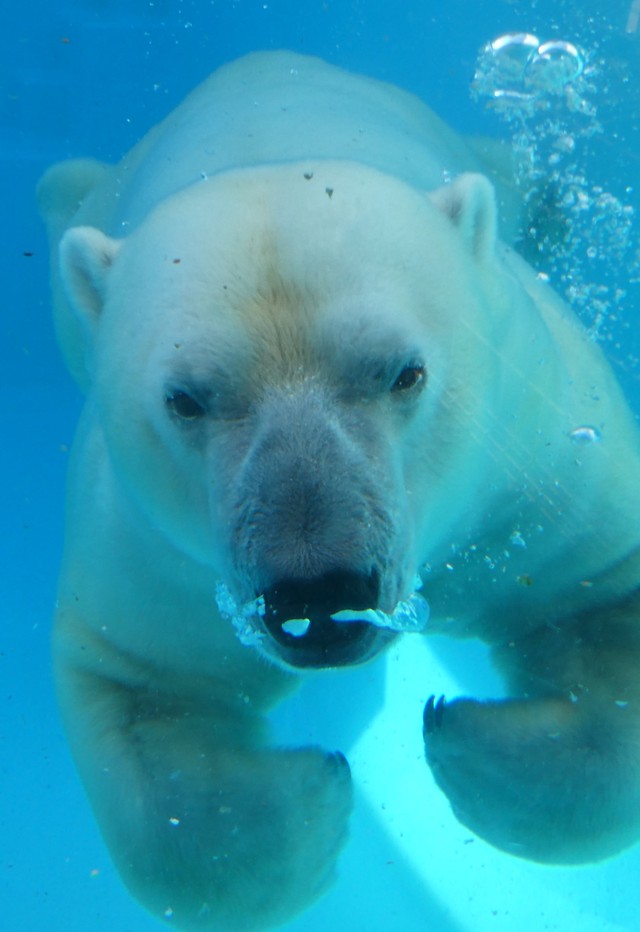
(313, 371)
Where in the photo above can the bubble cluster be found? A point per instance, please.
(242, 617)
(518, 67)
(409, 615)
(575, 232)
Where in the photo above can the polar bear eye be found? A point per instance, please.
(410, 377)
(184, 406)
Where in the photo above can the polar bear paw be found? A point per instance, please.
(253, 848)
(549, 779)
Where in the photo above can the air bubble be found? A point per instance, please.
(584, 436)
(554, 65)
(507, 60)
(564, 143)
(502, 63)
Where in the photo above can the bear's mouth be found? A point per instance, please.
(327, 621)
(298, 616)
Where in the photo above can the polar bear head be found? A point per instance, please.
(290, 368)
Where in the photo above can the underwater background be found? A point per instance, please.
(90, 77)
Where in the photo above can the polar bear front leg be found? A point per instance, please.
(207, 826)
(553, 776)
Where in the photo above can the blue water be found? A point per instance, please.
(89, 78)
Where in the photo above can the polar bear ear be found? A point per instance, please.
(86, 257)
(470, 204)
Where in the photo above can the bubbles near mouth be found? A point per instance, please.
(411, 615)
(244, 618)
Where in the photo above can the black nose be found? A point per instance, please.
(323, 642)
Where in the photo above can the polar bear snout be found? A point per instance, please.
(311, 533)
(309, 507)
(298, 618)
